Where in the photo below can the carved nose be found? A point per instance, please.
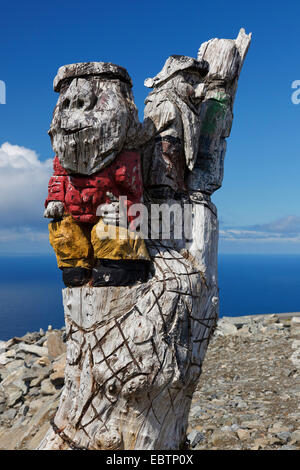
(200, 90)
(73, 103)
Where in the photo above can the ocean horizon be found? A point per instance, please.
(30, 289)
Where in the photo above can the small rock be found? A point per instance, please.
(47, 388)
(13, 396)
(33, 349)
(3, 359)
(252, 424)
(278, 428)
(296, 344)
(56, 346)
(220, 439)
(259, 444)
(243, 434)
(35, 375)
(35, 405)
(11, 353)
(295, 358)
(225, 327)
(287, 447)
(195, 437)
(295, 436)
(24, 410)
(284, 436)
(241, 404)
(58, 367)
(41, 341)
(42, 361)
(34, 392)
(235, 427)
(226, 428)
(31, 338)
(14, 365)
(8, 415)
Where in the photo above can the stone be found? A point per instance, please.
(3, 359)
(8, 415)
(260, 443)
(195, 437)
(35, 405)
(56, 346)
(221, 439)
(284, 436)
(33, 349)
(253, 424)
(287, 447)
(47, 387)
(243, 434)
(295, 436)
(225, 328)
(31, 337)
(34, 392)
(295, 358)
(35, 372)
(278, 428)
(11, 353)
(14, 395)
(14, 365)
(43, 361)
(58, 375)
(296, 344)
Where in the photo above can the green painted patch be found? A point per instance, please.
(216, 110)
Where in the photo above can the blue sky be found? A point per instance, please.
(258, 204)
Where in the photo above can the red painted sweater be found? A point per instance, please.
(81, 195)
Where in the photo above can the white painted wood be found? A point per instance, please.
(134, 354)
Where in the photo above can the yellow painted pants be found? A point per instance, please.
(78, 244)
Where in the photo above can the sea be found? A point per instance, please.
(31, 298)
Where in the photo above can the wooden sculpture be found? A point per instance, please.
(140, 310)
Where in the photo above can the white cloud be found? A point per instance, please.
(22, 234)
(23, 186)
(284, 230)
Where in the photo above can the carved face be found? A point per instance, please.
(190, 87)
(90, 123)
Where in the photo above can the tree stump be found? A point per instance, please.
(134, 353)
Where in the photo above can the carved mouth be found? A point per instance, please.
(74, 131)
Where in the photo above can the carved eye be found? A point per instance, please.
(80, 103)
(66, 103)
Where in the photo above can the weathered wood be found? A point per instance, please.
(134, 354)
(225, 58)
(94, 117)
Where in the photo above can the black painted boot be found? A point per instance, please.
(75, 277)
(109, 272)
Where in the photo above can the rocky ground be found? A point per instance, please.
(248, 396)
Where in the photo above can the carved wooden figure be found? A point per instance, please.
(135, 349)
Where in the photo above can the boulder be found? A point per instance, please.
(33, 349)
(56, 346)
